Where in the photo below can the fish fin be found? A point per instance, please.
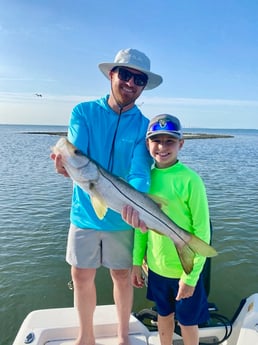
(158, 200)
(187, 252)
(200, 247)
(157, 232)
(99, 205)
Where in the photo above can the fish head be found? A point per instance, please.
(70, 154)
(79, 167)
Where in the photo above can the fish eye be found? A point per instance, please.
(78, 152)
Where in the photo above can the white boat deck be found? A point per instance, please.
(60, 327)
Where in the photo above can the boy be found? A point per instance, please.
(174, 292)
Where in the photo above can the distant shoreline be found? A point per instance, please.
(186, 135)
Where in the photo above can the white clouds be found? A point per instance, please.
(54, 109)
(199, 101)
(27, 108)
(23, 96)
(205, 113)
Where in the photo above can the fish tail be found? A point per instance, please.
(187, 252)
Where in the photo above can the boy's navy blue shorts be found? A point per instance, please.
(188, 311)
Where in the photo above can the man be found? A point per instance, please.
(110, 130)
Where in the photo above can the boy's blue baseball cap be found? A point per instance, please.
(165, 124)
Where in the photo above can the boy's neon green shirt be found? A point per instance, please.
(187, 205)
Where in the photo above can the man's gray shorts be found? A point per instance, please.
(89, 248)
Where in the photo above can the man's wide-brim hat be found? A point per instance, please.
(133, 58)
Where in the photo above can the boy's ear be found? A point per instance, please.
(147, 143)
(181, 143)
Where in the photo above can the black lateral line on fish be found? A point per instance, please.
(102, 172)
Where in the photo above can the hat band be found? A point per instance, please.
(164, 126)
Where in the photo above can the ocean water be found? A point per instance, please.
(34, 221)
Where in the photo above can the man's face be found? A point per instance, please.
(126, 91)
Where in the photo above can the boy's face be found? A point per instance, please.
(164, 149)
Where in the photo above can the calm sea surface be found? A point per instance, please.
(34, 220)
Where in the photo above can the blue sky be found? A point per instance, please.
(206, 51)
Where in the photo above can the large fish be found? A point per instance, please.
(108, 191)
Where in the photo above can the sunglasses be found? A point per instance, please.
(164, 125)
(125, 75)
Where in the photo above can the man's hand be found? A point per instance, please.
(131, 216)
(59, 164)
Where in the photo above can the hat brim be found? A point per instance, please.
(154, 80)
(176, 135)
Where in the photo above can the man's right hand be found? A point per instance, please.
(60, 169)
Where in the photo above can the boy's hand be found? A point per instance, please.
(184, 291)
(131, 216)
(136, 277)
(58, 164)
